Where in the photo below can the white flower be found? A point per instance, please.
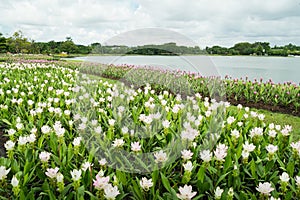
(297, 179)
(9, 145)
(230, 120)
(272, 133)
(111, 192)
(52, 172)
(19, 126)
(3, 172)
(271, 126)
(76, 174)
(248, 147)
(257, 131)
(261, 117)
(265, 188)
(218, 193)
(135, 146)
(206, 155)
(45, 129)
(186, 192)
(166, 124)
(86, 165)
(239, 106)
(59, 177)
(125, 130)
(111, 122)
(160, 156)
(188, 166)
(98, 129)
(101, 182)
(31, 138)
(14, 181)
(221, 152)
(284, 177)
(230, 192)
(22, 140)
(102, 162)
(11, 132)
(146, 184)
(273, 198)
(235, 133)
(186, 154)
(44, 156)
(118, 143)
(245, 154)
(271, 148)
(277, 127)
(76, 141)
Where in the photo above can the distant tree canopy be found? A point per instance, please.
(18, 43)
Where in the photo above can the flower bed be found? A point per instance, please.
(71, 137)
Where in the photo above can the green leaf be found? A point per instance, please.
(165, 182)
(201, 174)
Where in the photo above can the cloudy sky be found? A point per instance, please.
(205, 22)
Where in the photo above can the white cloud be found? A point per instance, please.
(207, 22)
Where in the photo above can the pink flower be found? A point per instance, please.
(101, 182)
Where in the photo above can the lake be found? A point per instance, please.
(279, 69)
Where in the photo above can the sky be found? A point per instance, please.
(200, 22)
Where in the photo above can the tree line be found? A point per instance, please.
(18, 43)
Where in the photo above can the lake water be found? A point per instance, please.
(279, 69)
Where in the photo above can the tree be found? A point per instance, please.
(3, 46)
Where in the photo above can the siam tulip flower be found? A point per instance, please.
(103, 162)
(98, 129)
(31, 138)
(186, 154)
(284, 177)
(135, 146)
(188, 166)
(230, 193)
(14, 181)
(265, 188)
(86, 165)
(206, 155)
(297, 179)
(76, 174)
(160, 156)
(166, 124)
(218, 193)
(278, 127)
(261, 117)
(256, 132)
(124, 130)
(230, 120)
(44, 156)
(235, 134)
(22, 140)
(52, 172)
(111, 192)
(59, 177)
(186, 192)
(3, 172)
(9, 145)
(46, 129)
(101, 182)
(272, 133)
(11, 132)
(146, 184)
(271, 148)
(118, 143)
(76, 141)
(221, 152)
(248, 147)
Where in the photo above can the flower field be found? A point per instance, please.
(71, 136)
